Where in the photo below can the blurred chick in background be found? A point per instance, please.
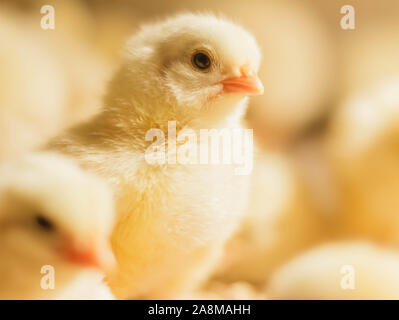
(173, 219)
(363, 144)
(52, 213)
(297, 72)
(342, 270)
(282, 221)
(49, 80)
(32, 96)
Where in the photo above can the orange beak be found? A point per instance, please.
(87, 256)
(248, 83)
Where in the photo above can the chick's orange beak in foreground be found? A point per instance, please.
(88, 256)
(248, 83)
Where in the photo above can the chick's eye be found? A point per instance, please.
(201, 60)
(44, 223)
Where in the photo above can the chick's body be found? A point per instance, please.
(173, 218)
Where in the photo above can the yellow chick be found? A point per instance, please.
(193, 71)
(55, 221)
(364, 151)
(346, 270)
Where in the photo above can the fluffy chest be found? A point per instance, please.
(194, 203)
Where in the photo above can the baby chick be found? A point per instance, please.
(173, 218)
(364, 150)
(347, 270)
(54, 217)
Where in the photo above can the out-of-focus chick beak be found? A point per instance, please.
(91, 256)
(248, 83)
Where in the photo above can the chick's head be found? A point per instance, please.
(52, 213)
(191, 62)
